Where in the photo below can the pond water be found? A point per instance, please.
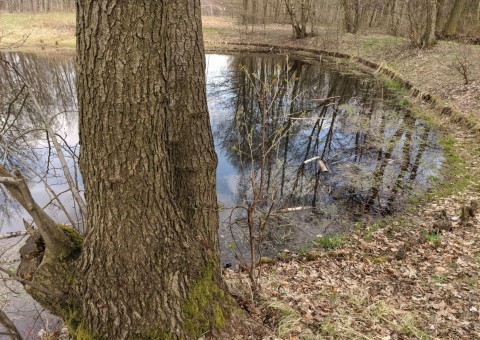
(338, 148)
(370, 154)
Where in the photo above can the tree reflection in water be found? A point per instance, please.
(375, 151)
(24, 142)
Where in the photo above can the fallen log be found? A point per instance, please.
(312, 159)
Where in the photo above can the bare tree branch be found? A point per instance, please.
(31, 284)
(13, 332)
(53, 236)
(75, 192)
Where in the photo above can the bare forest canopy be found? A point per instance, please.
(421, 21)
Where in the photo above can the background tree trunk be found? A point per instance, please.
(150, 262)
(299, 12)
(477, 17)
(454, 17)
(245, 12)
(438, 20)
(428, 38)
(352, 18)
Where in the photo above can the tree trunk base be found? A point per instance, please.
(50, 278)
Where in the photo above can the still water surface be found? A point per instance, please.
(377, 153)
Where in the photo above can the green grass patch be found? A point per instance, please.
(457, 178)
(434, 237)
(213, 29)
(304, 250)
(439, 279)
(375, 43)
(369, 230)
(393, 84)
(331, 241)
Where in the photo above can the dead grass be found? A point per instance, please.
(363, 291)
(48, 32)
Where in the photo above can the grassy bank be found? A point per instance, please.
(49, 32)
(398, 278)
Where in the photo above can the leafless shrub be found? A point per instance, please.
(463, 64)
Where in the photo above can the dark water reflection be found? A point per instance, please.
(23, 140)
(375, 151)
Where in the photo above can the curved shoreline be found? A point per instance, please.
(455, 117)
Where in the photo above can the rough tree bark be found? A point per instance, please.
(148, 267)
(438, 20)
(150, 261)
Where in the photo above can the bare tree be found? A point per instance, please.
(428, 37)
(352, 12)
(300, 14)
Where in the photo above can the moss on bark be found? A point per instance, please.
(208, 306)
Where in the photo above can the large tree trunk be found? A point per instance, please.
(454, 17)
(150, 262)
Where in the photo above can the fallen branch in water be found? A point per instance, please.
(285, 210)
(13, 234)
(312, 159)
(322, 166)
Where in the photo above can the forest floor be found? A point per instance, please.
(394, 279)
